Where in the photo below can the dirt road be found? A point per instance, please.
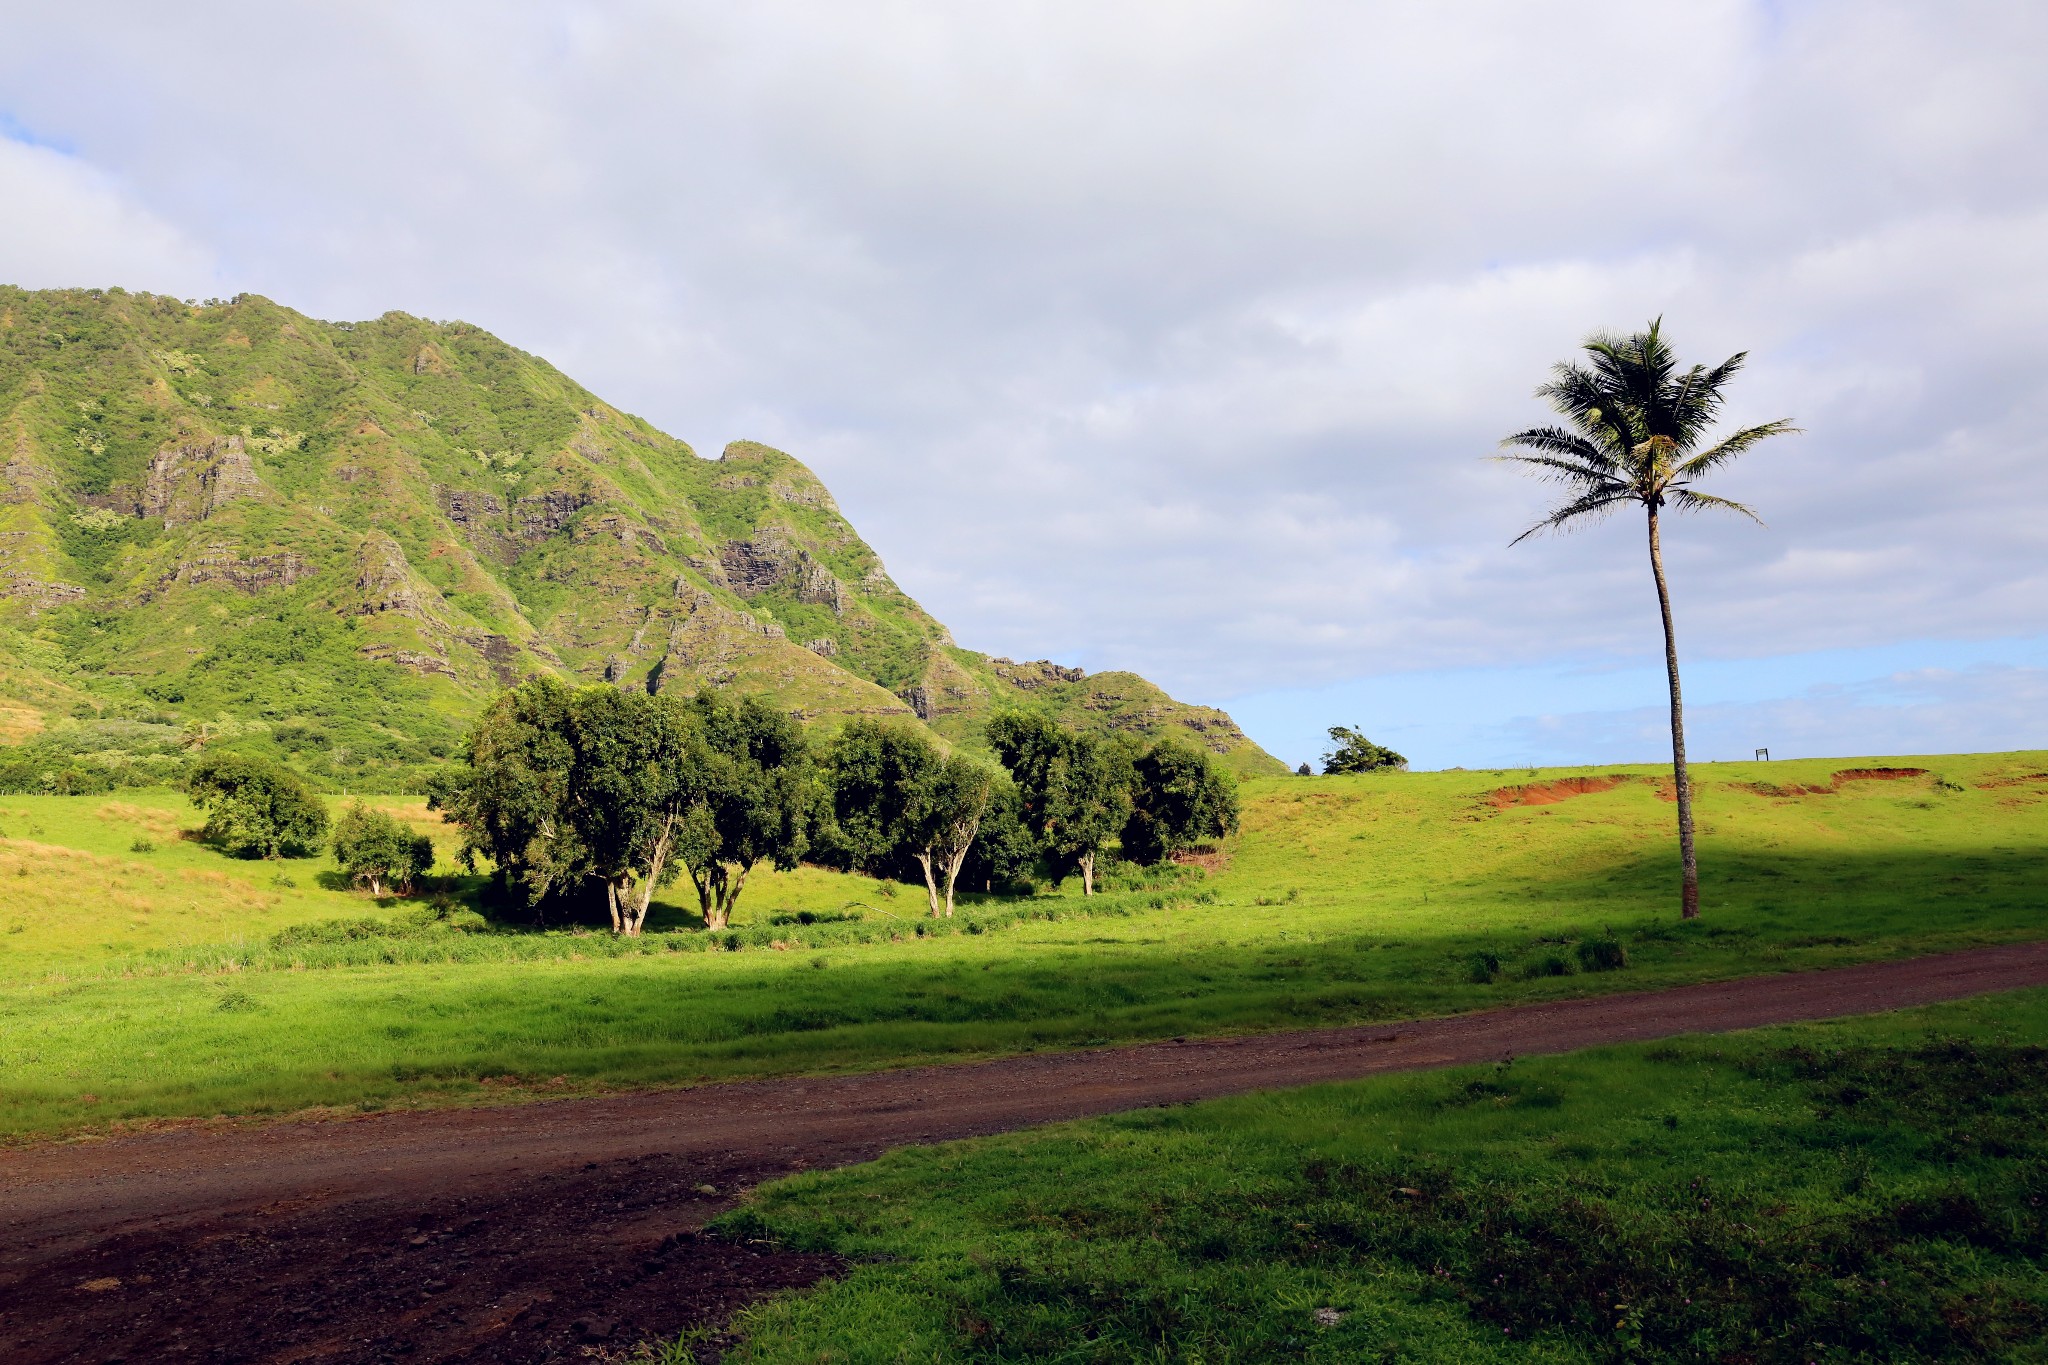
(542, 1231)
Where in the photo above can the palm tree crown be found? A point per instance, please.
(1635, 427)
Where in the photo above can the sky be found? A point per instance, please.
(1174, 336)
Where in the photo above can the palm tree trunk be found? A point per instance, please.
(1689, 893)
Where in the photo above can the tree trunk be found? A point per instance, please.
(1689, 891)
(1088, 873)
(730, 885)
(701, 879)
(953, 866)
(931, 886)
(637, 914)
(611, 902)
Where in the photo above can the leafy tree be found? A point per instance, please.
(949, 814)
(1304, 771)
(378, 852)
(1003, 853)
(1354, 753)
(1180, 797)
(897, 799)
(638, 773)
(1635, 432)
(256, 809)
(511, 798)
(757, 798)
(1075, 789)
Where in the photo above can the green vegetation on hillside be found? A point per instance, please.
(1341, 900)
(1862, 1190)
(330, 544)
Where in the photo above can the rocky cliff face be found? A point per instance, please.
(233, 511)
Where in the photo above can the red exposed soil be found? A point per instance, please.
(1550, 793)
(1876, 774)
(561, 1230)
(2022, 781)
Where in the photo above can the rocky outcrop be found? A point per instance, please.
(24, 478)
(825, 647)
(384, 579)
(469, 508)
(219, 564)
(39, 594)
(707, 640)
(629, 533)
(189, 483)
(540, 515)
(386, 583)
(416, 660)
(1035, 674)
(774, 560)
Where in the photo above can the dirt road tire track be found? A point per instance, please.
(521, 1234)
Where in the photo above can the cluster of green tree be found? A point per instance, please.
(570, 790)
(1077, 792)
(258, 809)
(91, 755)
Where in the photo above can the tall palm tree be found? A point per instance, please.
(1635, 426)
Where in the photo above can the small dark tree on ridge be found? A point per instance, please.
(1354, 753)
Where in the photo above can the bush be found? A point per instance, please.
(1482, 968)
(1602, 955)
(143, 846)
(256, 809)
(378, 853)
(1550, 964)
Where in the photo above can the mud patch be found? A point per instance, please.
(568, 1266)
(1550, 793)
(1876, 774)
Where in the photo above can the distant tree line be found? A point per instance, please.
(569, 792)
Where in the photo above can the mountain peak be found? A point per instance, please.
(357, 532)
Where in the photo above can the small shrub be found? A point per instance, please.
(1602, 955)
(143, 846)
(378, 853)
(1482, 968)
(1550, 964)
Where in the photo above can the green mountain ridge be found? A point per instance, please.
(337, 540)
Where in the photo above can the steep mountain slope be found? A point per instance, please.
(338, 539)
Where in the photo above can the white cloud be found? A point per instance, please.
(1168, 335)
(68, 225)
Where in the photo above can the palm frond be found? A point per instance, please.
(1565, 471)
(1731, 446)
(1685, 500)
(1593, 505)
(1568, 444)
(1597, 409)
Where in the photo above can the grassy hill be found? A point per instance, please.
(330, 542)
(144, 976)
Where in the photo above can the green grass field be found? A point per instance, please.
(173, 982)
(1865, 1190)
